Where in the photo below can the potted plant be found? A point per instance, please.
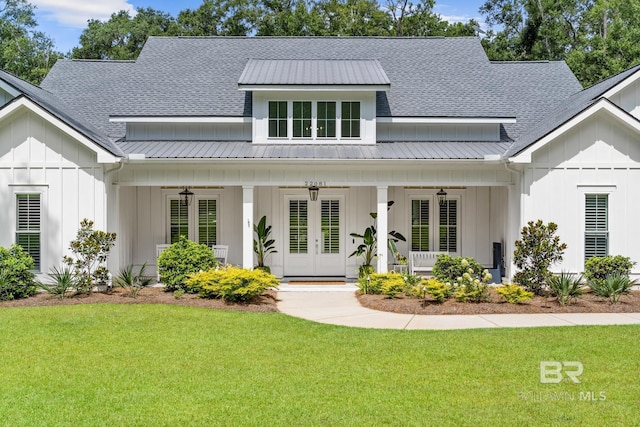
(367, 248)
(263, 244)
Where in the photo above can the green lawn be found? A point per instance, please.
(132, 365)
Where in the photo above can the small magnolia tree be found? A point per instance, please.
(91, 250)
(535, 252)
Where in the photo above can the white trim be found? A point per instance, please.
(9, 89)
(447, 120)
(318, 88)
(601, 105)
(42, 190)
(103, 156)
(622, 85)
(189, 119)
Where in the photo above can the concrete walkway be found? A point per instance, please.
(337, 305)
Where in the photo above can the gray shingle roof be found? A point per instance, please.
(566, 110)
(61, 110)
(313, 72)
(198, 76)
(247, 150)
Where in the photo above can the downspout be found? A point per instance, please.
(116, 169)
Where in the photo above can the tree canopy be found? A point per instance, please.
(597, 38)
(24, 51)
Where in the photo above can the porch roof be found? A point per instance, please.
(380, 151)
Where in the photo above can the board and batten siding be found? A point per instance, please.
(37, 157)
(437, 132)
(598, 156)
(629, 99)
(189, 131)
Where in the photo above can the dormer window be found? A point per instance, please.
(314, 120)
(350, 120)
(278, 119)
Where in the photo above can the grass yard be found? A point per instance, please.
(159, 365)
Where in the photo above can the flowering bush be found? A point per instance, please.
(469, 287)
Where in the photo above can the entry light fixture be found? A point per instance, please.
(442, 197)
(313, 193)
(186, 196)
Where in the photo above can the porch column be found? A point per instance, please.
(515, 200)
(247, 227)
(382, 229)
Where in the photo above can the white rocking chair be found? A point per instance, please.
(159, 250)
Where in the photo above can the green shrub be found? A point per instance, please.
(612, 287)
(371, 283)
(566, 287)
(91, 249)
(181, 259)
(535, 252)
(393, 285)
(448, 269)
(232, 284)
(16, 278)
(470, 288)
(596, 269)
(61, 281)
(438, 290)
(132, 283)
(514, 294)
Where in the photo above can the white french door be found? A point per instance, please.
(315, 240)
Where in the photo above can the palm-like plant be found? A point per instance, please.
(566, 287)
(367, 249)
(263, 244)
(612, 287)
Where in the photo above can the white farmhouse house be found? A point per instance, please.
(249, 125)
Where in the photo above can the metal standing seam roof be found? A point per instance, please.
(313, 72)
(166, 150)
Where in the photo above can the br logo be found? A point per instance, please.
(552, 372)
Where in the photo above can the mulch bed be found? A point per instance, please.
(264, 303)
(587, 303)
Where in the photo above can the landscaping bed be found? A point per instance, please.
(149, 295)
(587, 303)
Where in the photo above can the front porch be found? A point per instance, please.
(312, 238)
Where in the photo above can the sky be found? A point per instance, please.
(64, 20)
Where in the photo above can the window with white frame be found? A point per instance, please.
(314, 120)
(435, 226)
(350, 120)
(278, 119)
(596, 235)
(198, 221)
(28, 225)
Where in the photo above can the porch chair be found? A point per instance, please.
(159, 250)
(220, 252)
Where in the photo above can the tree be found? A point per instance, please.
(122, 36)
(419, 20)
(24, 51)
(536, 251)
(219, 17)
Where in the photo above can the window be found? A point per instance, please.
(596, 240)
(326, 120)
(298, 224)
(302, 119)
(178, 220)
(181, 221)
(330, 226)
(28, 225)
(420, 225)
(277, 119)
(350, 119)
(448, 224)
(207, 222)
